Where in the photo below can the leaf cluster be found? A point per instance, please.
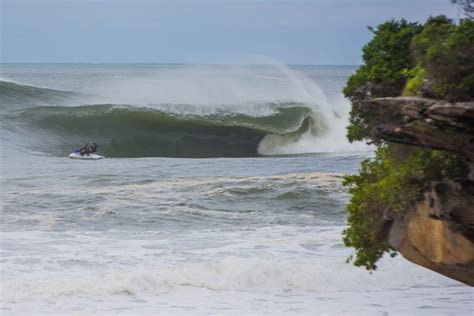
(384, 72)
(386, 186)
(432, 60)
(446, 51)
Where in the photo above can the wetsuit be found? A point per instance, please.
(87, 149)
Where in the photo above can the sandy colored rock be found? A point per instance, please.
(433, 244)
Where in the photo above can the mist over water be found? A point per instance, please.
(252, 226)
(244, 90)
(284, 110)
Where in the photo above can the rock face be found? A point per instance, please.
(427, 122)
(439, 232)
(435, 241)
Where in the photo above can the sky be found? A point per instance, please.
(305, 32)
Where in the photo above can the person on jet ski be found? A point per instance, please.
(94, 148)
(88, 149)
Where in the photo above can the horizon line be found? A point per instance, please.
(173, 63)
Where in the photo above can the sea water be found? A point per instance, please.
(221, 194)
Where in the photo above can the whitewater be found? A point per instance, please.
(221, 194)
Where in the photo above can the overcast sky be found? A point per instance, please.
(319, 32)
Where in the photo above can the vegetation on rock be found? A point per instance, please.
(383, 74)
(432, 60)
(387, 186)
(444, 52)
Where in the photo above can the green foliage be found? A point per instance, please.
(415, 83)
(433, 60)
(387, 185)
(446, 51)
(386, 59)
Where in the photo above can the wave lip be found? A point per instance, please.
(157, 131)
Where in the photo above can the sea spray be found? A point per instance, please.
(240, 111)
(249, 235)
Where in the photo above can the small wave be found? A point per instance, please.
(227, 274)
(15, 95)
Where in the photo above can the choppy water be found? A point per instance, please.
(252, 227)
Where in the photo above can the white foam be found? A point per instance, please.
(333, 139)
(247, 90)
(213, 270)
(8, 80)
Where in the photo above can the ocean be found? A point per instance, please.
(221, 194)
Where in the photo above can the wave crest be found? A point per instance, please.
(130, 131)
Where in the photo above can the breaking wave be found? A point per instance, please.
(163, 131)
(238, 122)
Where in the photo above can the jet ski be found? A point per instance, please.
(87, 152)
(91, 156)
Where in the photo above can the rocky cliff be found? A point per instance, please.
(437, 233)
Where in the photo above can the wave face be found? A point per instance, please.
(167, 130)
(175, 112)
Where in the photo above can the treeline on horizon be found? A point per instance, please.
(434, 60)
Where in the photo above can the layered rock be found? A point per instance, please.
(427, 122)
(438, 233)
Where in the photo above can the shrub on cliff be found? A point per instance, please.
(387, 186)
(446, 51)
(436, 58)
(384, 73)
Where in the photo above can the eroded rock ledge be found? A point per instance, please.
(438, 235)
(427, 122)
(439, 232)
